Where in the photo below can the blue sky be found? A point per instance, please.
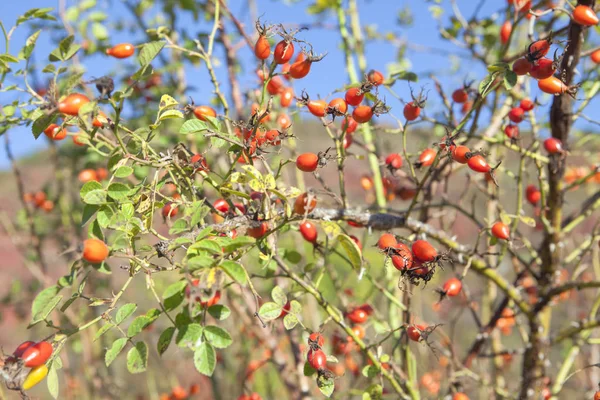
(427, 51)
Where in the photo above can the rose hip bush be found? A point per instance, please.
(304, 246)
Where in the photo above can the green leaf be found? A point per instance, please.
(510, 79)
(52, 382)
(370, 371)
(123, 171)
(137, 358)
(174, 294)
(149, 51)
(270, 311)
(188, 335)
(41, 13)
(237, 243)
(48, 308)
(486, 84)
(217, 336)
(290, 321)
(326, 385)
(88, 212)
(527, 220)
(295, 307)
(27, 50)
(116, 348)
(405, 76)
(170, 114)
(96, 197)
(219, 312)
(200, 262)
(43, 299)
(105, 215)
(124, 312)
(99, 31)
(352, 250)
(41, 123)
(105, 328)
(235, 271)
(206, 245)
(138, 325)
(279, 296)
(65, 50)
(164, 341)
(308, 369)
(88, 187)
(193, 126)
(167, 102)
(205, 359)
(373, 392)
(118, 191)
(498, 67)
(331, 229)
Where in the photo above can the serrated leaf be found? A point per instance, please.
(138, 325)
(167, 102)
(123, 171)
(200, 262)
(237, 243)
(290, 321)
(205, 359)
(217, 336)
(193, 126)
(41, 123)
(65, 50)
(308, 369)
(116, 348)
(118, 191)
(405, 76)
(295, 307)
(270, 311)
(527, 220)
(170, 114)
(326, 385)
(235, 270)
(137, 358)
(206, 245)
(88, 212)
(88, 187)
(188, 335)
(510, 79)
(124, 312)
(331, 229)
(30, 45)
(95, 197)
(486, 84)
(43, 298)
(370, 371)
(352, 250)
(105, 328)
(219, 312)
(174, 289)
(52, 382)
(373, 392)
(164, 340)
(498, 67)
(279, 296)
(149, 51)
(48, 308)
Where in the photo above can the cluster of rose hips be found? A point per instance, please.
(31, 355)
(537, 65)
(179, 393)
(39, 200)
(316, 357)
(418, 262)
(516, 115)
